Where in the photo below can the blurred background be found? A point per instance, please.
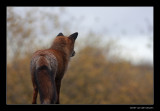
(114, 53)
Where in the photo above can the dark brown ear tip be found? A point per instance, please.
(76, 33)
(60, 34)
(74, 36)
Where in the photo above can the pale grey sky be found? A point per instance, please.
(131, 26)
(113, 20)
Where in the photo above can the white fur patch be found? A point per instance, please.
(49, 58)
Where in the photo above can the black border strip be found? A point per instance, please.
(74, 4)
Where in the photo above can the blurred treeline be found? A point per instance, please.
(94, 76)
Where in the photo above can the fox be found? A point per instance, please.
(48, 67)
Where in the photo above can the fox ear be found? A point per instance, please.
(73, 36)
(60, 34)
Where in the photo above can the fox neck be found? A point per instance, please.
(64, 51)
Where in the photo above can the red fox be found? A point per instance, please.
(48, 67)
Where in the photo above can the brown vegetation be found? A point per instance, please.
(90, 79)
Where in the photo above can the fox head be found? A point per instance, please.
(65, 43)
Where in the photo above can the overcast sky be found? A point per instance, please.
(131, 26)
(114, 20)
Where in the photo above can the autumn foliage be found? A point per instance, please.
(90, 79)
